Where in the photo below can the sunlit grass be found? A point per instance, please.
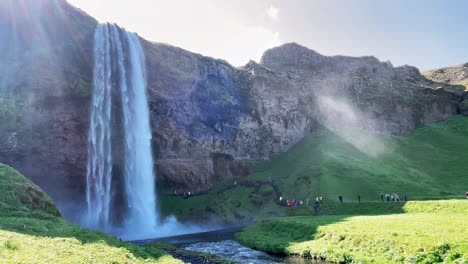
(440, 236)
(32, 232)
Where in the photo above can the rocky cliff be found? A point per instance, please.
(45, 86)
(209, 119)
(457, 76)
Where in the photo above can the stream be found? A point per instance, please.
(221, 243)
(232, 250)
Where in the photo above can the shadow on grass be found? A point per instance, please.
(276, 235)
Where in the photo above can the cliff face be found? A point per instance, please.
(45, 86)
(209, 119)
(456, 76)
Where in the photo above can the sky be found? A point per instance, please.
(427, 34)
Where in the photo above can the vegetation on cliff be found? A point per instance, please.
(430, 232)
(32, 231)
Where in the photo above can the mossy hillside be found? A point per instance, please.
(430, 236)
(425, 163)
(428, 163)
(31, 231)
(19, 196)
(32, 240)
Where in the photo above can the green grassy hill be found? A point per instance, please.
(429, 163)
(32, 231)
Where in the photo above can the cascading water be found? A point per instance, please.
(139, 179)
(99, 165)
(119, 66)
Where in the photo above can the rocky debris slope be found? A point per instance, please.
(209, 119)
(457, 76)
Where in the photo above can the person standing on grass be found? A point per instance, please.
(359, 198)
(406, 198)
(466, 195)
(316, 208)
(381, 196)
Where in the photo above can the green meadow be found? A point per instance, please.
(428, 232)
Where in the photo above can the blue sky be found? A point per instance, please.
(425, 33)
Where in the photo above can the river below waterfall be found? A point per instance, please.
(221, 243)
(232, 250)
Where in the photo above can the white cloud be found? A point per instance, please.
(272, 12)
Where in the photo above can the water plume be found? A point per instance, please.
(342, 118)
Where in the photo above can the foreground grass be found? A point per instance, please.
(31, 231)
(428, 163)
(430, 232)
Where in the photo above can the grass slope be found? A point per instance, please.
(431, 232)
(429, 163)
(31, 231)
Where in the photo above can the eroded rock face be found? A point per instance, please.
(456, 76)
(209, 119)
(203, 107)
(45, 88)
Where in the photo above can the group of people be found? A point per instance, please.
(187, 195)
(389, 197)
(294, 202)
(291, 203)
(392, 197)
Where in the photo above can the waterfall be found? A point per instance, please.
(119, 67)
(99, 165)
(139, 179)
